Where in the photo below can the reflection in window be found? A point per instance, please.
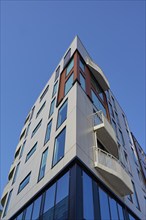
(68, 84)
(8, 202)
(43, 164)
(59, 146)
(67, 57)
(97, 87)
(131, 217)
(69, 67)
(135, 198)
(113, 208)
(104, 207)
(82, 81)
(97, 103)
(62, 114)
(61, 206)
(88, 210)
(82, 66)
(120, 211)
(52, 108)
(24, 183)
(55, 89)
(28, 212)
(19, 217)
(49, 203)
(36, 208)
(48, 132)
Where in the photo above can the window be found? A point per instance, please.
(121, 137)
(41, 108)
(27, 130)
(62, 194)
(97, 87)
(26, 120)
(57, 73)
(131, 217)
(22, 135)
(24, 183)
(30, 153)
(55, 89)
(67, 57)
(48, 132)
(117, 118)
(115, 127)
(113, 208)
(52, 108)
(59, 146)
(127, 161)
(82, 66)
(20, 217)
(28, 212)
(8, 203)
(70, 66)
(36, 208)
(17, 152)
(36, 128)
(88, 207)
(114, 103)
(97, 103)
(82, 81)
(32, 112)
(120, 211)
(111, 110)
(22, 149)
(104, 205)
(134, 196)
(62, 114)
(43, 164)
(44, 93)
(16, 172)
(125, 121)
(68, 84)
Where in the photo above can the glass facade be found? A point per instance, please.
(30, 153)
(82, 66)
(55, 89)
(104, 205)
(59, 147)
(69, 67)
(57, 73)
(8, 202)
(62, 114)
(48, 132)
(52, 107)
(43, 165)
(36, 208)
(97, 103)
(68, 84)
(82, 81)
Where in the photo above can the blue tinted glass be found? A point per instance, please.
(41, 108)
(88, 210)
(62, 114)
(82, 66)
(19, 217)
(70, 66)
(22, 149)
(52, 107)
(55, 89)
(28, 212)
(8, 202)
(30, 153)
(97, 103)
(131, 217)
(120, 210)
(49, 203)
(27, 130)
(82, 81)
(61, 207)
(48, 132)
(59, 147)
(113, 208)
(68, 84)
(16, 172)
(24, 183)
(36, 128)
(104, 207)
(43, 164)
(36, 208)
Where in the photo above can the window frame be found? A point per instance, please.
(66, 101)
(50, 122)
(36, 128)
(29, 154)
(28, 176)
(53, 101)
(43, 153)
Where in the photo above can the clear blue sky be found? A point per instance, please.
(35, 35)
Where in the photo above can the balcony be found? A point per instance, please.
(105, 133)
(98, 74)
(112, 170)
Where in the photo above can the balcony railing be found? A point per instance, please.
(111, 169)
(105, 133)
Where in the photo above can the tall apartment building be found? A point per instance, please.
(76, 158)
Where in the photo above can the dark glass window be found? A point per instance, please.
(69, 67)
(8, 202)
(52, 108)
(28, 212)
(113, 208)
(82, 81)
(41, 108)
(134, 196)
(22, 134)
(36, 208)
(48, 132)
(68, 84)
(24, 183)
(44, 93)
(16, 172)
(22, 149)
(43, 164)
(20, 217)
(82, 66)
(97, 103)
(57, 73)
(117, 118)
(97, 87)
(30, 153)
(55, 89)
(120, 211)
(27, 130)
(59, 146)
(49, 203)
(88, 210)
(36, 128)
(104, 205)
(61, 206)
(67, 57)
(121, 137)
(32, 112)
(115, 127)
(114, 103)
(131, 217)
(62, 114)
(111, 110)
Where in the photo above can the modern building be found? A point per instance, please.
(76, 158)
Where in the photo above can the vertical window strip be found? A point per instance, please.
(43, 165)
(16, 173)
(8, 203)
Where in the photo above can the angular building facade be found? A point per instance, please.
(76, 158)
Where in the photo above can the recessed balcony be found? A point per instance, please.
(105, 133)
(98, 74)
(112, 170)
